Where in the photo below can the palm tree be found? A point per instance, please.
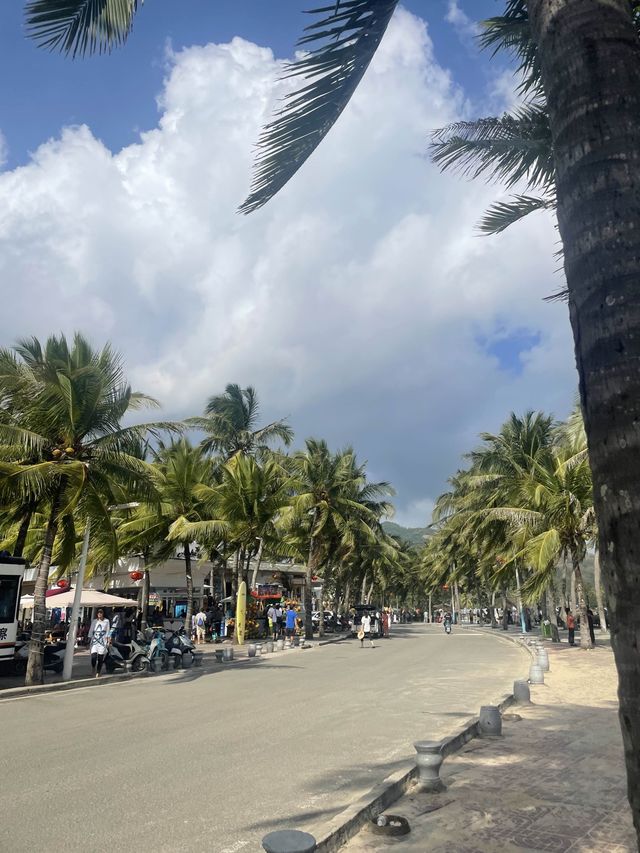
(70, 452)
(333, 502)
(241, 509)
(230, 423)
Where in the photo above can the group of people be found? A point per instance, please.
(282, 623)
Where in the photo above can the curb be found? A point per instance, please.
(330, 837)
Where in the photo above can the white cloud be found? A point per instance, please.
(465, 27)
(354, 302)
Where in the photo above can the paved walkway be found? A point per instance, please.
(555, 781)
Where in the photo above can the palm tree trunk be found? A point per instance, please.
(585, 637)
(598, 584)
(21, 538)
(370, 593)
(494, 621)
(144, 597)
(189, 579)
(363, 588)
(551, 614)
(254, 576)
(588, 54)
(430, 610)
(573, 601)
(35, 671)
(313, 564)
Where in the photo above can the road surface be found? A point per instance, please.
(214, 760)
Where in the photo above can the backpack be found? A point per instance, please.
(200, 622)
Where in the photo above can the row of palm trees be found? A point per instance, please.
(68, 459)
(521, 508)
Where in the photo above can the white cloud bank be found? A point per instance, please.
(354, 302)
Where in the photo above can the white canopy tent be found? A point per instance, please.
(89, 598)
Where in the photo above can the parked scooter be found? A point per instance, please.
(181, 649)
(131, 655)
(53, 658)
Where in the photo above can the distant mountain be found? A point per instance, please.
(412, 535)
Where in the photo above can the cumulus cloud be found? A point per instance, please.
(361, 302)
(465, 27)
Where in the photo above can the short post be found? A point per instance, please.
(543, 660)
(227, 655)
(251, 650)
(490, 724)
(536, 675)
(429, 762)
(521, 693)
(280, 645)
(269, 648)
(289, 841)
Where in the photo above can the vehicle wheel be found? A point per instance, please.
(58, 668)
(109, 665)
(20, 667)
(139, 664)
(177, 660)
(164, 657)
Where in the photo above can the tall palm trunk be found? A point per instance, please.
(573, 600)
(590, 63)
(597, 579)
(551, 613)
(585, 636)
(254, 576)
(35, 671)
(21, 538)
(189, 578)
(363, 588)
(313, 565)
(494, 621)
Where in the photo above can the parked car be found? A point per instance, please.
(373, 611)
(329, 620)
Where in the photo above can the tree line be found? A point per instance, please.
(520, 516)
(67, 459)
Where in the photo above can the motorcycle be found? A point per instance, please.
(180, 648)
(52, 661)
(447, 627)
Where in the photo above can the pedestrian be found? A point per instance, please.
(290, 622)
(365, 630)
(271, 616)
(447, 623)
(591, 631)
(200, 620)
(98, 641)
(279, 622)
(571, 626)
(385, 624)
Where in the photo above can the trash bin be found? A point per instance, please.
(545, 630)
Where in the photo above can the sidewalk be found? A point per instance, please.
(82, 661)
(554, 782)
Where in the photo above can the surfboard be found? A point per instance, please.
(241, 612)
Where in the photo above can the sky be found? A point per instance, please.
(361, 303)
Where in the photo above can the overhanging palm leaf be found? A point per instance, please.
(78, 27)
(502, 214)
(341, 45)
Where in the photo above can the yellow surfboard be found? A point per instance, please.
(241, 612)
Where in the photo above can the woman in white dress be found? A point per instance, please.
(98, 641)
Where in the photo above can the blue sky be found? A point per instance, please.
(115, 94)
(361, 302)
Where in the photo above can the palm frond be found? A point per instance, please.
(502, 214)
(340, 47)
(79, 27)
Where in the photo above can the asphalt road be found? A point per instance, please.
(212, 761)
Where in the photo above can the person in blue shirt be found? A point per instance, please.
(290, 623)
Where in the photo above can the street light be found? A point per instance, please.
(77, 595)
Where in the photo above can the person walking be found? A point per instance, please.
(571, 627)
(290, 623)
(200, 620)
(271, 616)
(279, 622)
(365, 631)
(98, 641)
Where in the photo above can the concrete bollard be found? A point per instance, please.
(259, 649)
(280, 645)
(251, 650)
(429, 762)
(289, 841)
(227, 655)
(490, 724)
(543, 660)
(536, 675)
(296, 640)
(219, 653)
(521, 693)
(269, 646)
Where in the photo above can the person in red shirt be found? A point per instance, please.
(571, 626)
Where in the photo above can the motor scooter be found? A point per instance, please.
(131, 655)
(52, 659)
(180, 643)
(447, 627)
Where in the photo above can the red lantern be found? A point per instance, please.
(136, 576)
(314, 577)
(63, 583)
